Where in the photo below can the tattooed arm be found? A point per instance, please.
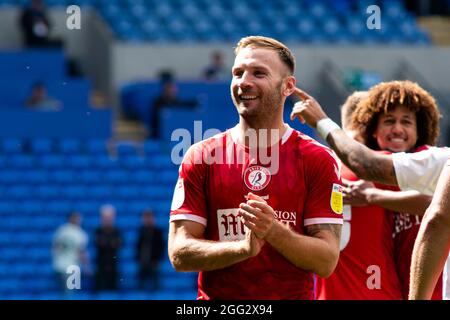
(189, 251)
(365, 163)
(316, 251)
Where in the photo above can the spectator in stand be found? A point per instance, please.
(36, 26)
(39, 99)
(149, 251)
(108, 241)
(168, 97)
(69, 249)
(216, 70)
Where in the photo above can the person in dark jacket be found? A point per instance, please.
(168, 97)
(108, 241)
(36, 26)
(149, 251)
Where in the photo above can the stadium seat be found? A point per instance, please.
(116, 176)
(177, 282)
(127, 192)
(90, 176)
(105, 162)
(74, 192)
(132, 163)
(10, 176)
(21, 161)
(59, 207)
(78, 162)
(144, 176)
(100, 192)
(152, 192)
(62, 176)
(9, 255)
(34, 176)
(126, 148)
(168, 177)
(11, 146)
(51, 161)
(19, 192)
(96, 147)
(137, 207)
(41, 146)
(69, 146)
(87, 207)
(5, 239)
(31, 207)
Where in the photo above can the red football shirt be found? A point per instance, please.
(297, 184)
(366, 269)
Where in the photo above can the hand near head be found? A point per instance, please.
(307, 109)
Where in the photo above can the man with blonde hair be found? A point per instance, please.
(266, 215)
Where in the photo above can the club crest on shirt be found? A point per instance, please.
(336, 200)
(256, 178)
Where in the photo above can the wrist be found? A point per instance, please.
(325, 126)
(370, 196)
(272, 232)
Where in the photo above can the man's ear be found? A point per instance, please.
(289, 86)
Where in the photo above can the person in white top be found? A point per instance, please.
(419, 171)
(69, 249)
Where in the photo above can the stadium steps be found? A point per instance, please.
(129, 130)
(438, 27)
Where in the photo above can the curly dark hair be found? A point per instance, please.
(384, 97)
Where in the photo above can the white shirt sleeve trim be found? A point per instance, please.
(308, 222)
(191, 217)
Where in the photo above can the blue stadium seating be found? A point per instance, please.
(22, 161)
(43, 181)
(69, 146)
(11, 146)
(224, 20)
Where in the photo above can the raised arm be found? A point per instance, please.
(364, 162)
(188, 251)
(432, 243)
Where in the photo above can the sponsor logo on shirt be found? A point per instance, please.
(287, 217)
(403, 222)
(336, 200)
(256, 178)
(231, 227)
